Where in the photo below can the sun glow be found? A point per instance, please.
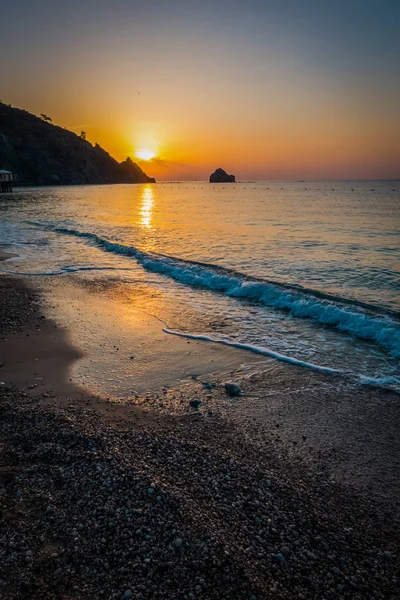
(145, 154)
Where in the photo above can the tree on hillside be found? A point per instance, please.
(83, 135)
(46, 118)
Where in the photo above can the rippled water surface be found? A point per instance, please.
(309, 271)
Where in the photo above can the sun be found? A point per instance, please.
(145, 154)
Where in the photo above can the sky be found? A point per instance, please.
(266, 89)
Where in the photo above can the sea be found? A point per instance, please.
(303, 272)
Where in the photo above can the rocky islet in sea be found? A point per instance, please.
(221, 176)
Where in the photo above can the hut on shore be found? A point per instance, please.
(6, 180)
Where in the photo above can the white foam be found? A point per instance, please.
(256, 349)
(385, 382)
(389, 381)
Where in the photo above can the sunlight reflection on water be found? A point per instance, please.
(146, 210)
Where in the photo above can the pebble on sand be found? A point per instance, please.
(232, 389)
(195, 403)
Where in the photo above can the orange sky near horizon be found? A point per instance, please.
(266, 93)
(329, 146)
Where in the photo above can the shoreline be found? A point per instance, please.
(152, 499)
(96, 340)
(5, 255)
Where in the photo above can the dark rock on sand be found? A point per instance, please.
(207, 385)
(195, 403)
(232, 389)
(221, 176)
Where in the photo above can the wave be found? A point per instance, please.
(386, 382)
(255, 349)
(357, 319)
(62, 271)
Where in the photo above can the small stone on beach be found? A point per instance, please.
(232, 389)
(195, 403)
(205, 384)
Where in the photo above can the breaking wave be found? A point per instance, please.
(256, 349)
(389, 382)
(359, 320)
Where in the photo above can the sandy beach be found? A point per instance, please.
(184, 492)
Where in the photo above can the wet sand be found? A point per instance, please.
(147, 497)
(5, 255)
(116, 349)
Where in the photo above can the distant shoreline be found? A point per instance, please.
(198, 181)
